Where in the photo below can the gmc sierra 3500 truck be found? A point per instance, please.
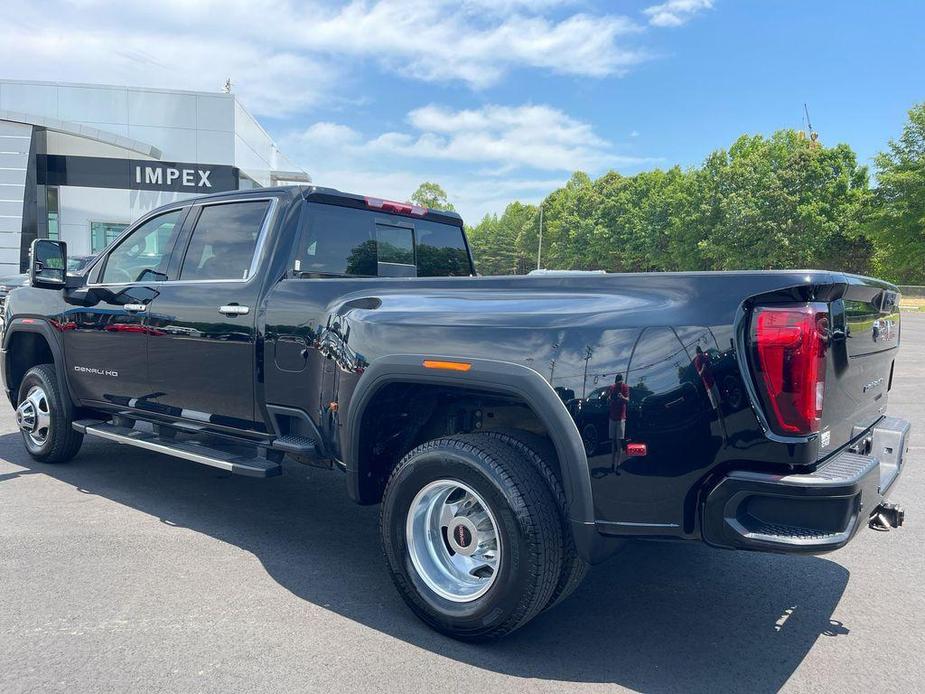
(513, 429)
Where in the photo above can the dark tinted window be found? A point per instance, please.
(142, 256)
(342, 240)
(337, 241)
(224, 241)
(395, 251)
(395, 244)
(441, 250)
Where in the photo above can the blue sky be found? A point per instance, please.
(499, 99)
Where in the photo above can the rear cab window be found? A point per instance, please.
(224, 241)
(345, 241)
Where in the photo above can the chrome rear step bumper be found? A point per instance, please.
(811, 513)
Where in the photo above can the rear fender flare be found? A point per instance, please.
(492, 376)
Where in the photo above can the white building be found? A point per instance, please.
(79, 162)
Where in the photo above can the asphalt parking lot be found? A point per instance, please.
(125, 571)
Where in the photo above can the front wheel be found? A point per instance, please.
(44, 417)
(471, 536)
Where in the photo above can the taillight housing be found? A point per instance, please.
(789, 346)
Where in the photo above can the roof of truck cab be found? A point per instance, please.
(291, 191)
(328, 195)
(339, 197)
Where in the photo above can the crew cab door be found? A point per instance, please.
(201, 327)
(105, 340)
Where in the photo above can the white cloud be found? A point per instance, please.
(285, 55)
(474, 196)
(287, 58)
(66, 46)
(483, 157)
(534, 136)
(445, 40)
(675, 12)
(326, 134)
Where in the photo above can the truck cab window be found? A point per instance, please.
(441, 250)
(339, 241)
(143, 254)
(224, 240)
(395, 251)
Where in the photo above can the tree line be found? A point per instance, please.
(784, 201)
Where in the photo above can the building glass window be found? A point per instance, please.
(51, 202)
(101, 234)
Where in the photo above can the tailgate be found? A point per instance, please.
(865, 330)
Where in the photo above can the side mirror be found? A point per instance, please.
(48, 264)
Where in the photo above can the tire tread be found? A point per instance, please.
(540, 452)
(534, 508)
(65, 441)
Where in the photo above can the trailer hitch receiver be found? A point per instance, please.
(887, 516)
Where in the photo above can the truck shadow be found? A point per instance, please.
(659, 617)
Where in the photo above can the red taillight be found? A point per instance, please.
(790, 344)
(397, 207)
(636, 450)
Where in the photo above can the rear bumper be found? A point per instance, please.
(810, 513)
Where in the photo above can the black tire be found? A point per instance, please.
(591, 439)
(541, 454)
(61, 442)
(531, 538)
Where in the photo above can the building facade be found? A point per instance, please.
(80, 162)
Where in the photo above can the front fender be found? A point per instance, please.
(43, 328)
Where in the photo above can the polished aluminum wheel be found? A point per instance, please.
(453, 540)
(33, 415)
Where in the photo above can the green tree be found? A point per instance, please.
(782, 201)
(640, 221)
(568, 224)
(896, 221)
(766, 202)
(431, 195)
(501, 244)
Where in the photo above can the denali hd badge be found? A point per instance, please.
(96, 372)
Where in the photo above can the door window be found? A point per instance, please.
(224, 240)
(142, 256)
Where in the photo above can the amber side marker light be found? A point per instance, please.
(447, 365)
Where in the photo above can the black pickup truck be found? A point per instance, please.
(513, 429)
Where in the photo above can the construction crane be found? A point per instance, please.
(813, 135)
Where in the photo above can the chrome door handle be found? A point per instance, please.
(135, 308)
(234, 310)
